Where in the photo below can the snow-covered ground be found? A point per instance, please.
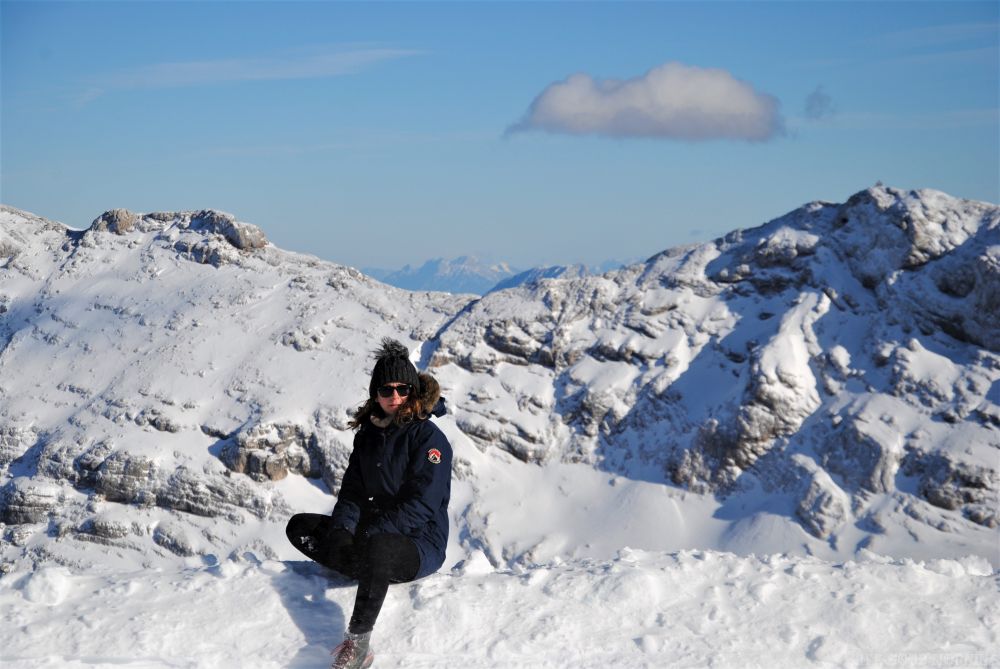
(638, 610)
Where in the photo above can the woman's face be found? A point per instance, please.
(390, 405)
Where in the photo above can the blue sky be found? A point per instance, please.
(380, 134)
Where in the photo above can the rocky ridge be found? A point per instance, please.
(175, 371)
(832, 355)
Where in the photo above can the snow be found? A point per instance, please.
(638, 609)
(571, 401)
(784, 361)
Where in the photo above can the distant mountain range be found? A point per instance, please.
(471, 275)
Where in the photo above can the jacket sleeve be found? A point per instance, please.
(347, 511)
(427, 485)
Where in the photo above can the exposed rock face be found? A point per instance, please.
(192, 492)
(24, 500)
(13, 442)
(966, 304)
(782, 391)
(137, 480)
(219, 238)
(243, 236)
(271, 451)
(954, 485)
(303, 341)
(116, 221)
(107, 527)
(173, 537)
(863, 455)
(8, 248)
(118, 476)
(122, 477)
(824, 507)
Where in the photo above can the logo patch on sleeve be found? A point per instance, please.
(434, 455)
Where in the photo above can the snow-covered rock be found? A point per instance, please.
(853, 337)
(173, 385)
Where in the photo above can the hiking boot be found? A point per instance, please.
(353, 652)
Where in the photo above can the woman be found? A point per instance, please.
(390, 523)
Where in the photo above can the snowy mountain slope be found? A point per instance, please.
(137, 360)
(836, 368)
(173, 385)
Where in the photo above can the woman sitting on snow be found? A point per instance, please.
(390, 523)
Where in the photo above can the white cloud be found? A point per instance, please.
(671, 101)
(309, 63)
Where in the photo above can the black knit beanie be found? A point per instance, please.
(393, 366)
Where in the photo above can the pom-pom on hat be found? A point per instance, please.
(393, 365)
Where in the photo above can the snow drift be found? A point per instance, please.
(689, 609)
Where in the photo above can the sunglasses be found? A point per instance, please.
(387, 391)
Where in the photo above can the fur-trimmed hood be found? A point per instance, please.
(429, 395)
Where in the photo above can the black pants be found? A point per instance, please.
(375, 563)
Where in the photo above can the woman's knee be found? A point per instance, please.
(394, 555)
(308, 523)
(292, 525)
(386, 544)
(306, 531)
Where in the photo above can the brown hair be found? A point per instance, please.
(418, 405)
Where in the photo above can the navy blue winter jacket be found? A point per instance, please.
(398, 480)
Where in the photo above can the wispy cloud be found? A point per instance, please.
(818, 104)
(961, 43)
(941, 120)
(933, 36)
(986, 54)
(671, 101)
(358, 140)
(306, 63)
(954, 43)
